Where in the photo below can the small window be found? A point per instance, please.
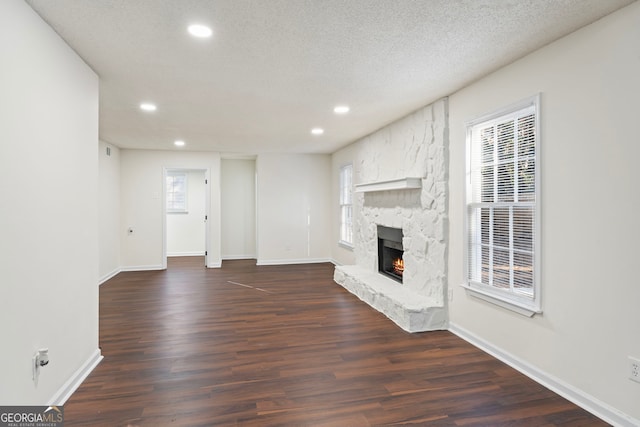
(502, 216)
(176, 192)
(346, 205)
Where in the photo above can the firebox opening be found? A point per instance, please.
(390, 251)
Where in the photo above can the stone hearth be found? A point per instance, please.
(409, 310)
(414, 146)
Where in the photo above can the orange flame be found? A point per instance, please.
(398, 266)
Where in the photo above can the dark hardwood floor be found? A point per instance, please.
(285, 345)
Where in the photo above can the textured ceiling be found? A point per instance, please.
(276, 68)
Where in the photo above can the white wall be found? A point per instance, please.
(238, 204)
(108, 211)
(49, 213)
(142, 209)
(186, 231)
(589, 89)
(294, 208)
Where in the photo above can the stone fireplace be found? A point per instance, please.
(401, 173)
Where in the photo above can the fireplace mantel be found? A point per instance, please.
(393, 184)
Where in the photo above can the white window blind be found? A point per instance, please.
(176, 187)
(346, 204)
(502, 197)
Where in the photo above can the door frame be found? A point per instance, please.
(207, 210)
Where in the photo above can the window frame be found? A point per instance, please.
(343, 204)
(508, 299)
(170, 208)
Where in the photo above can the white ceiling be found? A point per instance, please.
(274, 69)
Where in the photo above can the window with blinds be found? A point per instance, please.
(502, 205)
(176, 187)
(346, 205)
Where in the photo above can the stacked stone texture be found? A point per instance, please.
(414, 146)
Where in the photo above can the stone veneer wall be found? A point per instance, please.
(414, 146)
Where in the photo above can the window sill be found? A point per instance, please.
(345, 245)
(515, 306)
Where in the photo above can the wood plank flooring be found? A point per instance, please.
(286, 346)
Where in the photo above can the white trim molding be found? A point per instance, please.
(72, 384)
(215, 264)
(569, 392)
(142, 268)
(176, 254)
(109, 276)
(346, 245)
(504, 303)
(232, 257)
(292, 261)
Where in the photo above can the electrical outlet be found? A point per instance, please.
(634, 369)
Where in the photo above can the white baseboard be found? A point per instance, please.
(72, 384)
(292, 261)
(172, 254)
(569, 392)
(232, 257)
(142, 268)
(214, 264)
(108, 276)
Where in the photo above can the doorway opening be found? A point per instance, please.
(238, 208)
(186, 213)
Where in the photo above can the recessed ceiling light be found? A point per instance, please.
(179, 143)
(201, 31)
(147, 106)
(317, 131)
(341, 109)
